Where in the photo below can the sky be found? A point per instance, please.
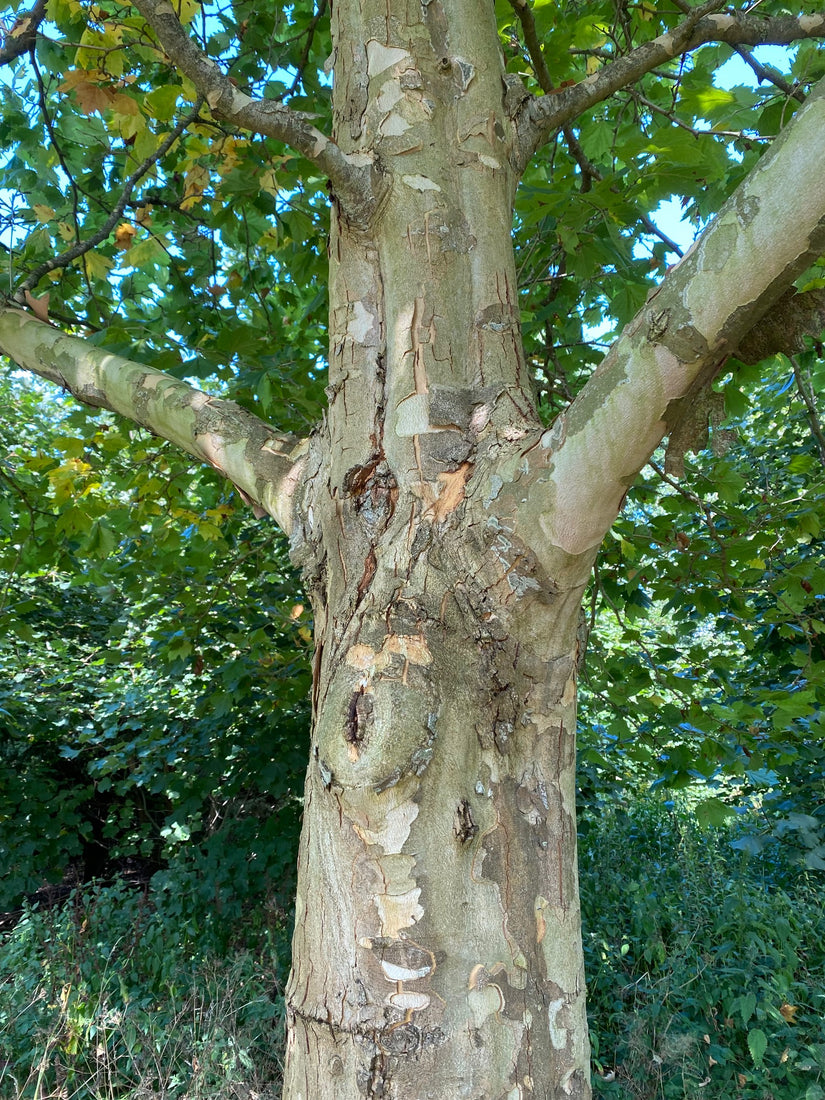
(669, 215)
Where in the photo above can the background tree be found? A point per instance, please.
(445, 535)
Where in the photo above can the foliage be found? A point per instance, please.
(154, 690)
(153, 673)
(114, 996)
(706, 662)
(704, 972)
(704, 964)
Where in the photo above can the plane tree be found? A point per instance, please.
(213, 214)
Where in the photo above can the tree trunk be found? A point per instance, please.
(437, 950)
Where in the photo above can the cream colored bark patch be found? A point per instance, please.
(411, 647)
(398, 911)
(381, 57)
(361, 322)
(484, 1003)
(558, 1033)
(394, 125)
(393, 831)
(395, 973)
(420, 183)
(412, 417)
(409, 1002)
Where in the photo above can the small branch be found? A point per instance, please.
(637, 97)
(531, 39)
(23, 33)
(588, 170)
(310, 35)
(762, 72)
(538, 118)
(82, 247)
(358, 188)
(805, 391)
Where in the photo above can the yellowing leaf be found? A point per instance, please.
(73, 77)
(593, 65)
(102, 48)
(124, 105)
(58, 10)
(96, 264)
(146, 253)
(196, 180)
(38, 306)
(186, 10)
(124, 234)
(43, 213)
(65, 231)
(788, 1012)
(160, 102)
(269, 182)
(92, 97)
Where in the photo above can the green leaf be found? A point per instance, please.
(712, 811)
(757, 1045)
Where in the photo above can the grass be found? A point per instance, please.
(103, 1000)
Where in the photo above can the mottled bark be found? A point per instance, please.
(263, 464)
(437, 950)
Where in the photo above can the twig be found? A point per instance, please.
(806, 393)
(538, 117)
(84, 246)
(764, 73)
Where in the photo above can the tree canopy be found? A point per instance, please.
(142, 211)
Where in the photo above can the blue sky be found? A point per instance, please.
(669, 215)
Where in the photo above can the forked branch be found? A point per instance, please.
(539, 117)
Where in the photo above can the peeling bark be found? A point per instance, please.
(263, 464)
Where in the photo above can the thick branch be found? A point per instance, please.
(540, 117)
(264, 465)
(356, 185)
(768, 233)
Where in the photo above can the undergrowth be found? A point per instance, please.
(111, 998)
(704, 964)
(705, 979)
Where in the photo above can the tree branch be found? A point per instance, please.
(21, 37)
(806, 392)
(263, 464)
(770, 230)
(357, 186)
(763, 72)
(539, 117)
(589, 171)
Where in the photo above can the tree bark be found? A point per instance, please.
(437, 950)
(446, 541)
